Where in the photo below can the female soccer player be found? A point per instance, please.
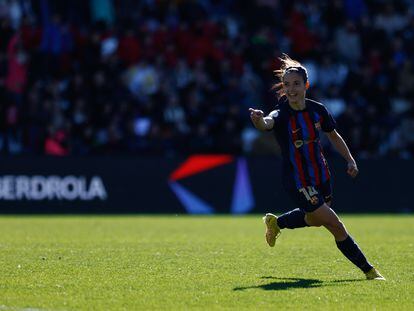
(296, 124)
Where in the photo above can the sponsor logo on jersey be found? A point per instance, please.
(299, 143)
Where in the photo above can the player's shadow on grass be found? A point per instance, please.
(289, 283)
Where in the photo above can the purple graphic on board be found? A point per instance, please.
(243, 199)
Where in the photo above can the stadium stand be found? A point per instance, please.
(176, 77)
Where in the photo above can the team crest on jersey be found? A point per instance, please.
(298, 143)
(314, 200)
(318, 125)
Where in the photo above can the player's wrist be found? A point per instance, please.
(350, 159)
(258, 120)
(260, 124)
(352, 162)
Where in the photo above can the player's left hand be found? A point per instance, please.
(352, 169)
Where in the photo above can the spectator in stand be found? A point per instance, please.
(16, 78)
(156, 77)
(55, 143)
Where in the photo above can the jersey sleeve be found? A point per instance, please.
(328, 123)
(275, 115)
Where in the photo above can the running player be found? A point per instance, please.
(296, 124)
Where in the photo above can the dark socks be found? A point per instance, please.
(350, 249)
(291, 220)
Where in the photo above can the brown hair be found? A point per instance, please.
(288, 65)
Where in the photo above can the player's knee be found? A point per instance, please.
(341, 227)
(336, 224)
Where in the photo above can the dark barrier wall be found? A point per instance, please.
(198, 184)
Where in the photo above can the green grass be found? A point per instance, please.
(182, 262)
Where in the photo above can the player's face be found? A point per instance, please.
(294, 87)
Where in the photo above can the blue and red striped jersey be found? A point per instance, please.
(297, 132)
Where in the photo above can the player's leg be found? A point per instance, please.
(323, 215)
(326, 217)
(295, 218)
(291, 220)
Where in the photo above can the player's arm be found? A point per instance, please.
(338, 142)
(259, 121)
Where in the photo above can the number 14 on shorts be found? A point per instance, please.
(309, 193)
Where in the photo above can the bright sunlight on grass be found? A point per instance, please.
(183, 262)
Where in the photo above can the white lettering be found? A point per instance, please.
(305, 193)
(97, 189)
(22, 187)
(8, 188)
(51, 188)
(1, 188)
(38, 188)
(83, 193)
(69, 188)
(308, 193)
(312, 191)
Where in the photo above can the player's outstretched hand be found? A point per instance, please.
(255, 114)
(352, 169)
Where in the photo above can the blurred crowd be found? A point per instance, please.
(175, 77)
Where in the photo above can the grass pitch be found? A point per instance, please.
(183, 262)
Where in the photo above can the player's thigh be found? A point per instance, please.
(323, 216)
